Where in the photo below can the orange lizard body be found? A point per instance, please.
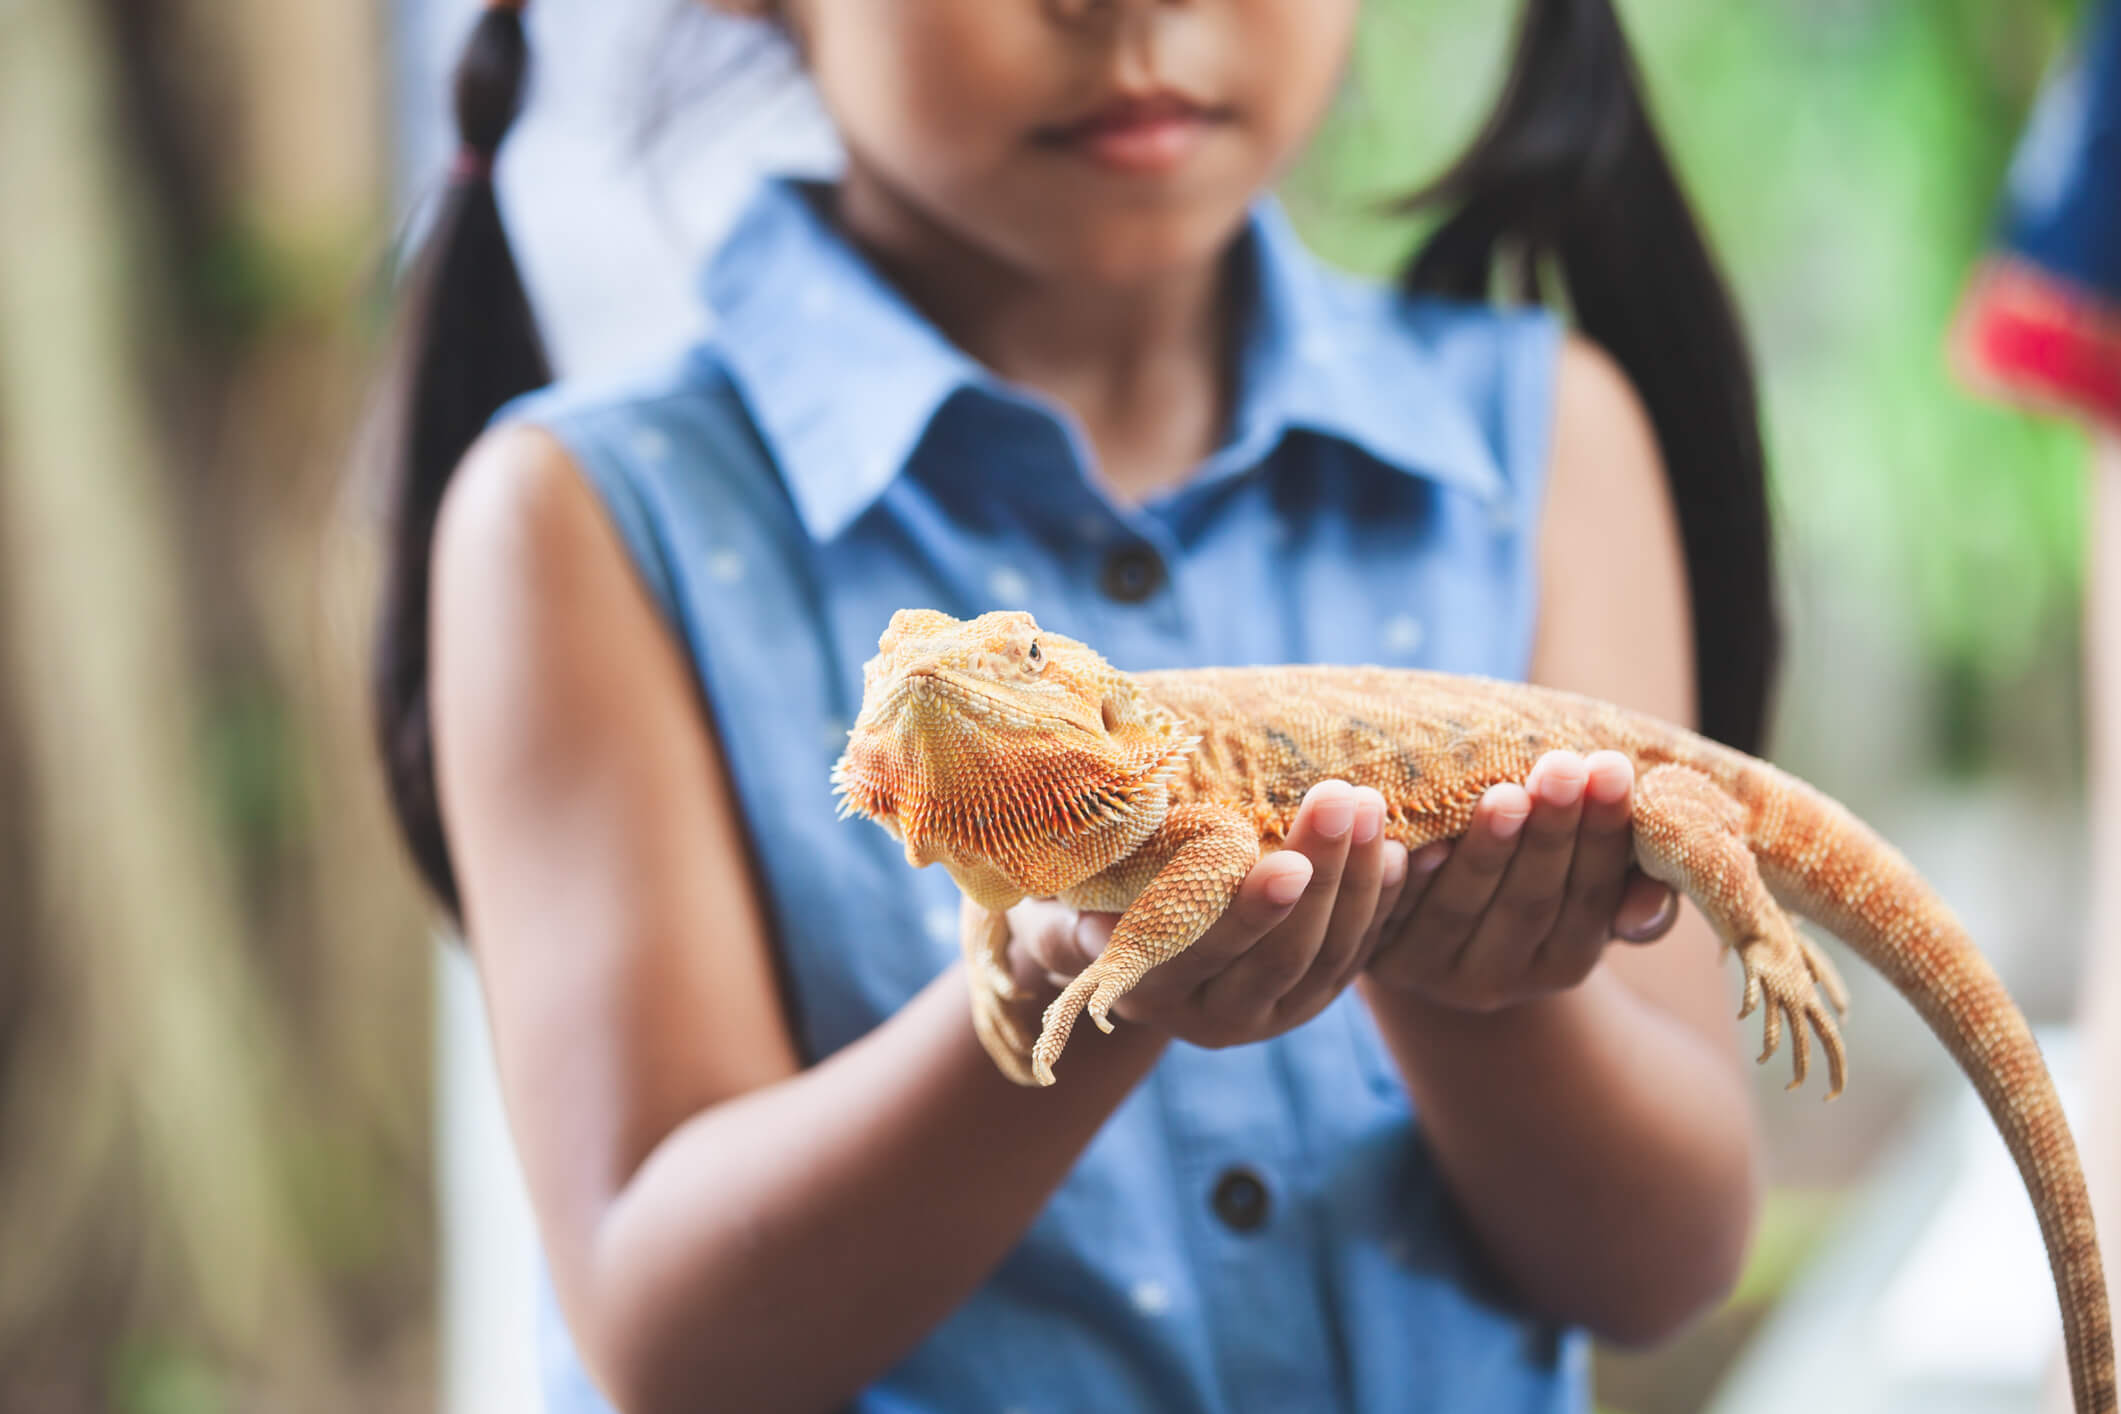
(1028, 766)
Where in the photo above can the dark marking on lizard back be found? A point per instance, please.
(1281, 741)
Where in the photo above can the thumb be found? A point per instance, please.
(1647, 910)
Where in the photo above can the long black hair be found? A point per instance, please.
(469, 344)
(1568, 172)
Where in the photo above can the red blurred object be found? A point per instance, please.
(2032, 338)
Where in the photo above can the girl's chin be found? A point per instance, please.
(1123, 247)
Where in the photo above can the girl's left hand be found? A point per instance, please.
(1523, 904)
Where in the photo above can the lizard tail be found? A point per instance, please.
(1828, 866)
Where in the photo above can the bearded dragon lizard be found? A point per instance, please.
(1028, 766)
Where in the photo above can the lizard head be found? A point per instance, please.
(990, 740)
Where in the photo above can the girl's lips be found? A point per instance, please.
(1154, 133)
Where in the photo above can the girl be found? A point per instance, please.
(1047, 343)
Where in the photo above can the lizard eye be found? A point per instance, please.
(1033, 656)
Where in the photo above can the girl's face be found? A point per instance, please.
(1102, 140)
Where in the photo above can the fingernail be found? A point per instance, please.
(1561, 785)
(1652, 928)
(1334, 816)
(1611, 777)
(1288, 885)
(1505, 824)
(1368, 821)
(1395, 867)
(1429, 858)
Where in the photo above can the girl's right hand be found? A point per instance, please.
(1302, 926)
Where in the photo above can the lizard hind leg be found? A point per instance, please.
(1689, 834)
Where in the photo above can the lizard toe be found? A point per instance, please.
(1770, 1032)
(1109, 990)
(1058, 1021)
(1825, 974)
(1830, 1042)
(1800, 1045)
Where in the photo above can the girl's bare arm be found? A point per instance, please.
(718, 1220)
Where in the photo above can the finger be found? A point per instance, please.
(1262, 902)
(1599, 871)
(1646, 911)
(1394, 932)
(1356, 910)
(1460, 892)
(1357, 905)
(1423, 865)
(1527, 902)
(1251, 984)
(1045, 944)
(1395, 883)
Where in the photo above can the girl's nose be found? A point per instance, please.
(1082, 11)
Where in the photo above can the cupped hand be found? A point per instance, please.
(1303, 923)
(1523, 904)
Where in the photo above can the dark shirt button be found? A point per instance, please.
(1132, 573)
(1241, 1200)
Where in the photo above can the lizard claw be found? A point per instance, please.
(1781, 980)
(1108, 991)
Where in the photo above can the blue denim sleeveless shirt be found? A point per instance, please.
(1255, 1229)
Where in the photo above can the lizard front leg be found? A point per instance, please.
(983, 936)
(1196, 859)
(1688, 833)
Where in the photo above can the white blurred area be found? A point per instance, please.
(1931, 1294)
(609, 229)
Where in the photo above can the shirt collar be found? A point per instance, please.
(1342, 357)
(843, 376)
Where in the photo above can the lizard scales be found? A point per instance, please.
(1028, 766)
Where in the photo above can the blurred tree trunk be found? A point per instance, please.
(144, 1063)
(214, 1005)
(306, 184)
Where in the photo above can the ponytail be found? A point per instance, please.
(470, 344)
(1569, 174)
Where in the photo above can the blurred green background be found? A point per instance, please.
(1845, 156)
(216, 1146)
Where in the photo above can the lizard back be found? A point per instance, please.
(1429, 742)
